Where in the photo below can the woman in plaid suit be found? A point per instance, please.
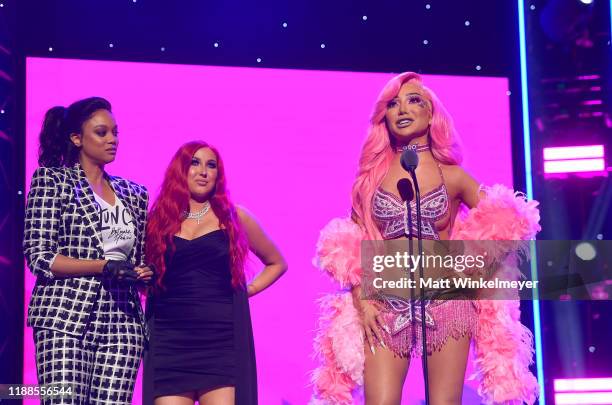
(84, 242)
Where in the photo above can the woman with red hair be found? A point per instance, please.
(201, 346)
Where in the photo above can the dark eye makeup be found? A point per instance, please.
(415, 99)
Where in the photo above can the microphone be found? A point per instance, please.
(409, 160)
(404, 186)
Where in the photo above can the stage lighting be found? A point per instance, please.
(574, 152)
(583, 391)
(574, 159)
(585, 251)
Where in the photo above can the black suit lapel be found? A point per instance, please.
(87, 205)
(124, 194)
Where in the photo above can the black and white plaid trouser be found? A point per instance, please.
(100, 366)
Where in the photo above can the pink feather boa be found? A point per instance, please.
(501, 214)
(339, 251)
(504, 347)
(339, 347)
(339, 341)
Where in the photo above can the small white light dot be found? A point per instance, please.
(532, 7)
(258, 60)
(50, 49)
(19, 192)
(134, 1)
(585, 251)
(549, 263)
(1, 111)
(1, 4)
(216, 44)
(467, 23)
(364, 18)
(163, 48)
(592, 349)
(427, 6)
(599, 236)
(425, 42)
(322, 46)
(284, 25)
(111, 45)
(508, 93)
(478, 67)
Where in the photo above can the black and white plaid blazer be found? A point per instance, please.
(62, 217)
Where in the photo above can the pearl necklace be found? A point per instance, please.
(198, 215)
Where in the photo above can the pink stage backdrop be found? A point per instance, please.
(291, 141)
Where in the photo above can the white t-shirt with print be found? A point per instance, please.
(118, 234)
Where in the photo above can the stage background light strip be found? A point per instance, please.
(583, 384)
(574, 166)
(588, 398)
(574, 152)
(537, 331)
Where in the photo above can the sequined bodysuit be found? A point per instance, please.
(444, 318)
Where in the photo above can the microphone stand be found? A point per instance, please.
(410, 235)
(407, 194)
(421, 278)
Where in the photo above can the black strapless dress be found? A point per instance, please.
(201, 336)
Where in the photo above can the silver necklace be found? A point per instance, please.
(199, 214)
(415, 147)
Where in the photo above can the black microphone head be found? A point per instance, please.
(404, 186)
(409, 160)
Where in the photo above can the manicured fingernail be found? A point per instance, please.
(387, 329)
(382, 343)
(372, 349)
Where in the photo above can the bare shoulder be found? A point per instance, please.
(245, 216)
(456, 174)
(258, 240)
(461, 184)
(452, 173)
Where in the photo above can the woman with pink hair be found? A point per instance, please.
(408, 115)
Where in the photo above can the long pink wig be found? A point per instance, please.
(377, 151)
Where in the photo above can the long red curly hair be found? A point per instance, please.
(167, 215)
